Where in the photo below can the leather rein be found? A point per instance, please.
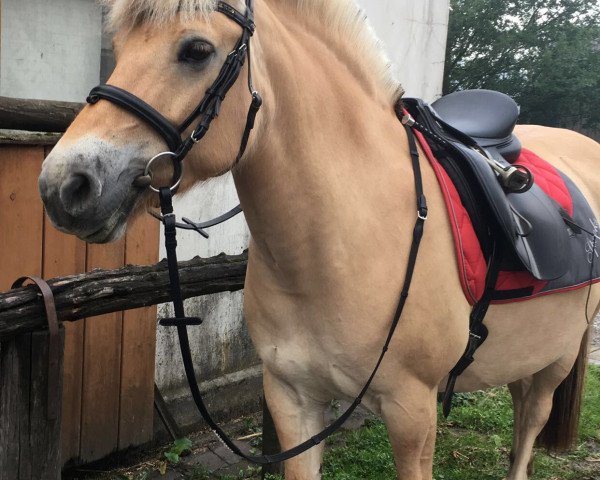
(205, 112)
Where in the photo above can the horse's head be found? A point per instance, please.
(169, 59)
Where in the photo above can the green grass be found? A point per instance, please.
(473, 444)
(475, 441)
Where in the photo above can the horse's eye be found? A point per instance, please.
(195, 51)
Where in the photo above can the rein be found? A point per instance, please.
(205, 113)
(181, 322)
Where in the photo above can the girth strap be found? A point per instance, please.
(180, 321)
(478, 332)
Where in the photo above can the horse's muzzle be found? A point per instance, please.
(88, 197)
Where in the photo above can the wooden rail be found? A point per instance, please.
(37, 115)
(106, 291)
(76, 297)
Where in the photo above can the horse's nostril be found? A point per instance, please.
(79, 193)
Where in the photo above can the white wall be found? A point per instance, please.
(221, 345)
(415, 34)
(50, 48)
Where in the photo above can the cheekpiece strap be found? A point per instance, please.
(246, 21)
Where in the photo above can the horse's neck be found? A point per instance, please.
(330, 155)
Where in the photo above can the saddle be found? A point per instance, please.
(474, 123)
(512, 242)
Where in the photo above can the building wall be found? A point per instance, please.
(50, 49)
(415, 36)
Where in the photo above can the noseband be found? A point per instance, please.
(206, 111)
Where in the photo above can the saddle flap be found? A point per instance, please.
(541, 245)
(531, 221)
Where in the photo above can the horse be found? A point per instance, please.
(327, 189)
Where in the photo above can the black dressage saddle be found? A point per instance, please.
(464, 128)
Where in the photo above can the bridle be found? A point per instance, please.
(206, 111)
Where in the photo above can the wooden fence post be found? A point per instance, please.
(29, 440)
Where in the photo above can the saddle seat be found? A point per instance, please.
(487, 116)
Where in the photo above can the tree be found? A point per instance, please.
(544, 53)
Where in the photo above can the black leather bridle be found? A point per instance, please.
(206, 111)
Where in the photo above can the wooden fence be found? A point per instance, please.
(108, 365)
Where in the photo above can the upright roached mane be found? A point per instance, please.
(344, 17)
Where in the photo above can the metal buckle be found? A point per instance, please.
(148, 171)
(193, 136)
(241, 50)
(408, 120)
(421, 216)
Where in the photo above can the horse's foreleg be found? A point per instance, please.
(297, 418)
(535, 404)
(411, 421)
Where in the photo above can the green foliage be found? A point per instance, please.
(483, 412)
(247, 474)
(179, 448)
(198, 473)
(544, 53)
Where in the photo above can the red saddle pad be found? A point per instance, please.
(513, 285)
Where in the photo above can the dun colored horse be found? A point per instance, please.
(327, 188)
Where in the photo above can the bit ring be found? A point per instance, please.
(177, 177)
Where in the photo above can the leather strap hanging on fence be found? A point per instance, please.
(54, 347)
